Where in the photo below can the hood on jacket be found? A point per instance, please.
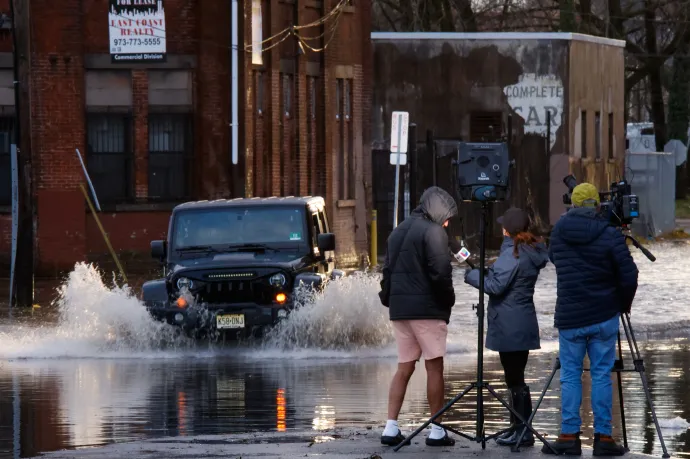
(537, 255)
(437, 204)
(581, 225)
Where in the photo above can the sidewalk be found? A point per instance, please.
(338, 443)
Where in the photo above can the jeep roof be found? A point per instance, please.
(311, 201)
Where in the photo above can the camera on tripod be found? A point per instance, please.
(619, 204)
(482, 171)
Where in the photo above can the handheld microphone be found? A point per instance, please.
(459, 252)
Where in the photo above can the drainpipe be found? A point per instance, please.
(233, 122)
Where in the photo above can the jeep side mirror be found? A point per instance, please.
(326, 242)
(158, 249)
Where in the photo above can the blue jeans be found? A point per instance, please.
(599, 342)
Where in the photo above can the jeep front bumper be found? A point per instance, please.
(230, 317)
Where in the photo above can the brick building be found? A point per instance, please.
(158, 133)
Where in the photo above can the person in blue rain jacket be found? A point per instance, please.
(513, 329)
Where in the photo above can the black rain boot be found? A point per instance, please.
(513, 395)
(604, 445)
(523, 405)
(566, 444)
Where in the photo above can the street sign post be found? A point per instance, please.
(399, 126)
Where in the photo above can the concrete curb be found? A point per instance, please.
(336, 443)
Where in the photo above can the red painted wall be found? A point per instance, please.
(131, 231)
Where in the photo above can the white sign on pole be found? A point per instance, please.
(399, 125)
(15, 217)
(401, 156)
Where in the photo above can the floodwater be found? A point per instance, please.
(93, 368)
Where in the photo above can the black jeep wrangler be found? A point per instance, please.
(231, 266)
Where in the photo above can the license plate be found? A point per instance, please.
(230, 321)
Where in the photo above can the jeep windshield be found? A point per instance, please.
(227, 229)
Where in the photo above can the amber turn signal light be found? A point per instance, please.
(181, 302)
(281, 297)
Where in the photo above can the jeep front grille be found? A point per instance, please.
(232, 292)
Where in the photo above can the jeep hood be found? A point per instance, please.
(240, 260)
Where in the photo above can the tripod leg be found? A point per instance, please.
(620, 394)
(407, 440)
(481, 437)
(656, 421)
(639, 367)
(556, 367)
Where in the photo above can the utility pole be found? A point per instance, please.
(24, 269)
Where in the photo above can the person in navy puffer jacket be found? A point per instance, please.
(596, 282)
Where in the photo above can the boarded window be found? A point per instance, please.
(597, 134)
(338, 98)
(170, 88)
(170, 154)
(257, 33)
(6, 88)
(109, 155)
(610, 136)
(287, 94)
(260, 93)
(7, 135)
(288, 137)
(346, 157)
(312, 133)
(108, 88)
(583, 133)
(486, 126)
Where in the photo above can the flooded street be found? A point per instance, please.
(94, 369)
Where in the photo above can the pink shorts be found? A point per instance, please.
(420, 337)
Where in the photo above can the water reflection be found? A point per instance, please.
(65, 404)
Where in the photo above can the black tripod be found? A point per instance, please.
(619, 368)
(480, 436)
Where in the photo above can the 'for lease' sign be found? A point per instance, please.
(137, 31)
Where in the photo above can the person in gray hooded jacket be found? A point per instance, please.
(513, 329)
(417, 288)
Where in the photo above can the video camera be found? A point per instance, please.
(619, 204)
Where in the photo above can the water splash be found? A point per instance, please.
(676, 423)
(346, 316)
(94, 321)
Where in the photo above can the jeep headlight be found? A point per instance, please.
(278, 280)
(183, 282)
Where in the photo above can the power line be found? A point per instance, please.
(294, 29)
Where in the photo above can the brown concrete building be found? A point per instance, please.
(556, 98)
(146, 94)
